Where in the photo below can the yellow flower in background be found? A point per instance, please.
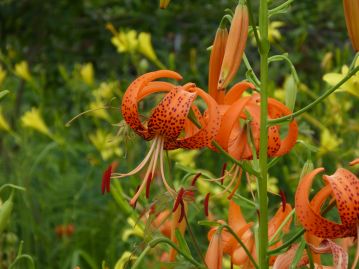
(105, 90)
(106, 143)
(351, 86)
(184, 157)
(2, 75)
(131, 41)
(145, 46)
(97, 111)
(4, 125)
(87, 73)
(327, 61)
(125, 41)
(328, 142)
(273, 32)
(124, 260)
(22, 71)
(33, 119)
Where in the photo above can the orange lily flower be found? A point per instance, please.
(351, 12)
(166, 123)
(343, 187)
(225, 58)
(239, 225)
(233, 137)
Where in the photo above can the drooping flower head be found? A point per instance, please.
(167, 122)
(343, 188)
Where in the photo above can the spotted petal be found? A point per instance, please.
(311, 218)
(130, 100)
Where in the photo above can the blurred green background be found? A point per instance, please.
(60, 58)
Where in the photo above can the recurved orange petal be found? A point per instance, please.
(129, 106)
(236, 92)
(340, 257)
(208, 132)
(310, 218)
(345, 187)
(276, 109)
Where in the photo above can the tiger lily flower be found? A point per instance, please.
(343, 187)
(351, 12)
(239, 225)
(166, 123)
(232, 136)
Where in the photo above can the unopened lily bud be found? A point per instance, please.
(215, 62)
(5, 213)
(214, 253)
(236, 43)
(351, 12)
(164, 3)
(291, 88)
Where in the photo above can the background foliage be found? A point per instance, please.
(57, 60)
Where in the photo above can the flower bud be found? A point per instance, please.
(351, 12)
(215, 62)
(5, 213)
(236, 43)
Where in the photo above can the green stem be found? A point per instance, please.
(317, 101)
(284, 57)
(288, 243)
(247, 168)
(141, 257)
(226, 226)
(253, 24)
(263, 158)
(239, 197)
(279, 8)
(252, 75)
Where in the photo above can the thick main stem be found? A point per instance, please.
(263, 159)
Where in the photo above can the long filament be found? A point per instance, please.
(141, 165)
(169, 189)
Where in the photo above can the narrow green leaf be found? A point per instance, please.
(182, 243)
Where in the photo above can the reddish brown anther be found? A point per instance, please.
(106, 180)
(284, 199)
(148, 185)
(194, 180)
(178, 199)
(205, 203)
(182, 212)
